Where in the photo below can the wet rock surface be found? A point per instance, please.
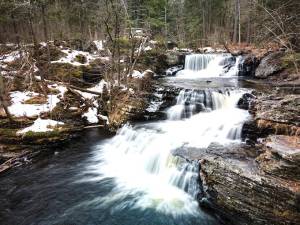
(277, 114)
(281, 157)
(236, 185)
(248, 66)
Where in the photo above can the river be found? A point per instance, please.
(132, 177)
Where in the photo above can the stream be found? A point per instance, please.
(133, 177)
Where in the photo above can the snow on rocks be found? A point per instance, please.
(71, 57)
(7, 58)
(99, 45)
(173, 70)
(41, 125)
(105, 118)
(19, 108)
(148, 48)
(99, 87)
(138, 74)
(91, 115)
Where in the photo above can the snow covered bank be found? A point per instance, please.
(20, 108)
(41, 125)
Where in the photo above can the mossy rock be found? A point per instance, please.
(81, 59)
(7, 132)
(124, 107)
(53, 91)
(55, 53)
(34, 135)
(62, 110)
(289, 61)
(64, 72)
(40, 99)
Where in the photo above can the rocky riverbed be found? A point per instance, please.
(256, 182)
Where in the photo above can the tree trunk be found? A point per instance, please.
(45, 28)
(36, 51)
(236, 18)
(3, 100)
(249, 28)
(15, 30)
(239, 17)
(203, 22)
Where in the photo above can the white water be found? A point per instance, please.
(209, 65)
(140, 160)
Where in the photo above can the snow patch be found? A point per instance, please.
(71, 57)
(91, 115)
(19, 108)
(99, 87)
(41, 125)
(148, 48)
(99, 45)
(136, 74)
(105, 118)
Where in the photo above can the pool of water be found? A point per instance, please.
(52, 191)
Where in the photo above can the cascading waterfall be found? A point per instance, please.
(210, 65)
(139, 158)
(197, 62)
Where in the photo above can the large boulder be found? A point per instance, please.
(270, 65)
(248, 66)
(245, 101)
(236, 187)
(281, 157)
(276, 114)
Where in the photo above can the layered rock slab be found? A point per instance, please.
(235, 185)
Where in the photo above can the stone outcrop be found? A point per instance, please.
(248, 66)
(281, 157)
(270, 65)
(275, 114)
(125, 107)
(247, 195)
(245, 101)
(237, 187)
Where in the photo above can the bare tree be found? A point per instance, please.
(277, 25)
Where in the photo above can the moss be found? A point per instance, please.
(63, 71)
(47, 134)
(54, 91)
(81, 59)
(288, 61)
(40, 99)
(7, 132)
(55, 53)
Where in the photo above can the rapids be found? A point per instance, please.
(139, 158)
(133, 177)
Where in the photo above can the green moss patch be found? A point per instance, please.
(81, 59)
(40, 99)
(66, 73)
(289, 61)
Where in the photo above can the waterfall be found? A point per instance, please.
(140, 160)
(209, 65)
(190, 102)
(197, 62)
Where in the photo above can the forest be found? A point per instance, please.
(192, 23)
(150, 112)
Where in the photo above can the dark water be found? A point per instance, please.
(48, 192)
